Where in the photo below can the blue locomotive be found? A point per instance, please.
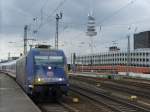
(41, 71)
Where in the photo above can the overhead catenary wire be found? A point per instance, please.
(109, 17)
(41, 10)
(50, 16)
(116, 12)
(61, 3)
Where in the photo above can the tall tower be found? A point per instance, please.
(91, 32)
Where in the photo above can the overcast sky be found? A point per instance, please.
(114, 16)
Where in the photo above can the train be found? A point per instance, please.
(42, 71)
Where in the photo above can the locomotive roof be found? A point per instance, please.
(44, 49)
(35, 50)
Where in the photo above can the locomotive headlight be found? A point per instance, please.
(39, 79)
(60, 79)
(49, 68)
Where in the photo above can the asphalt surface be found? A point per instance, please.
(13, 98)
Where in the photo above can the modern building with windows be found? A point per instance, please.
(142, 40)
(138, 59)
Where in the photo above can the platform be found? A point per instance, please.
(12, 97)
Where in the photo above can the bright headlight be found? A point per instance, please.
(49, 67)
(39, 79)
(60, 79)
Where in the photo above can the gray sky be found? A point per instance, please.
(114, 17)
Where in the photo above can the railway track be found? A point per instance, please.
(128, 88)
(62, 106)
(135, 82)
(123, 86)
(104, 98)
(90, 105)
(84, 105)
(101, 100)
(58, 106)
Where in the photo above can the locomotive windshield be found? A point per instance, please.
(52, 60)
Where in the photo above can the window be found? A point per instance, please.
(52, 60)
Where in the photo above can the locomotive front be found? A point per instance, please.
(49, 73)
